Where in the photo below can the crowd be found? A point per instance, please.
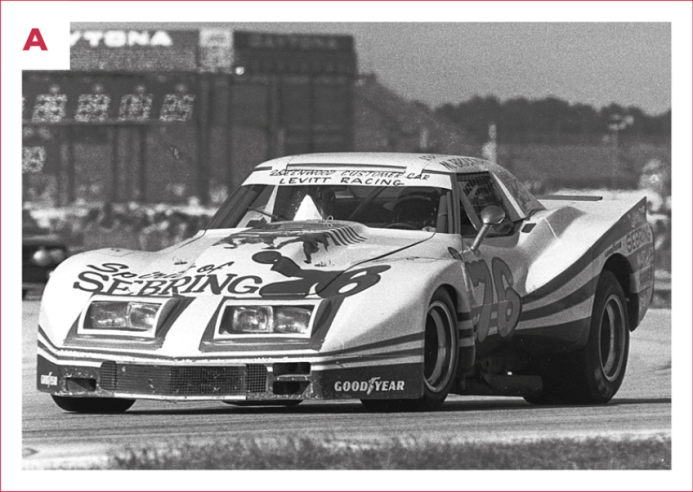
(138, 227)
(154, 227)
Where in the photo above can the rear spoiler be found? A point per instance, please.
(572, 198)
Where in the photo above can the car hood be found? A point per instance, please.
(277, 251)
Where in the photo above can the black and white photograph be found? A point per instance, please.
(406, 242)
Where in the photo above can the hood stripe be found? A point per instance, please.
(80, 362)
(397, 362)
(580, 295)
(339, 237)
(349, 235)
(466, 316)
(352, 235)
(42, 334)
(240, 359)
(415, 337)
(356, 235)
(559, 281)
(616, 232)
(372, 358)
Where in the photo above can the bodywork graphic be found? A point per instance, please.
(276, 237)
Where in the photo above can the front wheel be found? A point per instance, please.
(440, 356)
(593, 374)
(93, 405)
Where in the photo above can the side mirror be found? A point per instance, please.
(491, 216)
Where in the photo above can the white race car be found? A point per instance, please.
(395, 279)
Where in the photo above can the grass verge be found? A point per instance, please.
(399, 454)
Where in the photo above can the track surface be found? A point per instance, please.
(642, 407)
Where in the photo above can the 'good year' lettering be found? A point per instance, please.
(373, 384)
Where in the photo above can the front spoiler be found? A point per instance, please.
(268, 381)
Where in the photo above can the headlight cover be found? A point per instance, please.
(139, 317)
(278, 320)
(258, 319)
(292, 319)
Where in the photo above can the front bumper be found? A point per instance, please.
(269, 380)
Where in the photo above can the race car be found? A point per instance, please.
(395, 279)
(41, 253)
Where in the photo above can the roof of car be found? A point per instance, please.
(431, 162)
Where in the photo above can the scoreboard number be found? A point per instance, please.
(135, 107)
(92, 107)
(33, 159)
(177, 107)
(49, 108)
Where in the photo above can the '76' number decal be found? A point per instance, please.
(508, 301)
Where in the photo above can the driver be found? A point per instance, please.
(324, 199)
(418, 208)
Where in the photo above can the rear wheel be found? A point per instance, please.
(440, 359)
(93, 405)
(593, 374)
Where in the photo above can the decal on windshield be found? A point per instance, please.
(345, 176)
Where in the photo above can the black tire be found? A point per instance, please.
(593, 374)
(441, 341)
(93, 405)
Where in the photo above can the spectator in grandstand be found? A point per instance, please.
(155, 236)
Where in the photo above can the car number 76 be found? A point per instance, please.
(508, 303)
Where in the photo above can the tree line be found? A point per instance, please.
(523, 118)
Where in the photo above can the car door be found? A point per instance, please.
(497, 269)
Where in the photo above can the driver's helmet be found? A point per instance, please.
(418, 207)
(324, 199)
(480, 194)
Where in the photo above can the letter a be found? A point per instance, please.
(35, 39)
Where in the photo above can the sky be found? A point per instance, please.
(437, 63)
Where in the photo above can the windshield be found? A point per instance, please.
(412, 208)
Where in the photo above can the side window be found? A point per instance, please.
(477, 191)
(523, 198)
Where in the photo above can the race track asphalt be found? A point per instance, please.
(642, 407)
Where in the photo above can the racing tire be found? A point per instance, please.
(593, 374)
(441, 340)
(93, 405)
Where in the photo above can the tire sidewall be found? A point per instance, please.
(600, 389)
(437, 397)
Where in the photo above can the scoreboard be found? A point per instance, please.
(145, 112)
(134, 50)
(78, 97)
(315, 54)
(212, 50)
